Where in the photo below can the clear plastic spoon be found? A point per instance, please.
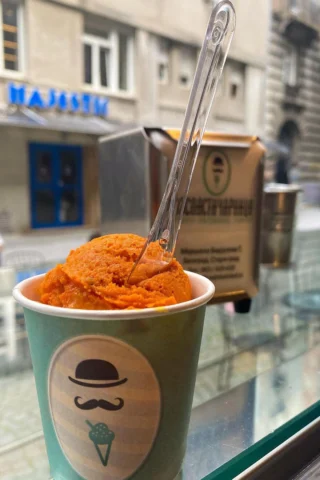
(166, 226)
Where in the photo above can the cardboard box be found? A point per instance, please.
(220, 235)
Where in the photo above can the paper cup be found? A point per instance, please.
(115, 388)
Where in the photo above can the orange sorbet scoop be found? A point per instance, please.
(94, 277)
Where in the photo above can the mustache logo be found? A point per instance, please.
(92, 404)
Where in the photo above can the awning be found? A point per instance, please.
(61, 122)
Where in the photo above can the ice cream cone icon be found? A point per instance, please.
(102, 439)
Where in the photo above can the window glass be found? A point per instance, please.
(44, 207)
(44, 167)
(10, 36)
(163, 61)
(187, 66)
(236, 82)
(87, 64)
(291, 66)
(69, 207)
(68, 168)
(123, 63)
(105, 67)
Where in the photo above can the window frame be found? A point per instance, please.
(291, 67)
(185, 53)
(53, 185)
(236, 79)
(21, 45)
(111, 43)
(163, 58)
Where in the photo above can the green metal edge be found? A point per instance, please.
(257, 451)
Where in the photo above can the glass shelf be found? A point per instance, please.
(258, 382)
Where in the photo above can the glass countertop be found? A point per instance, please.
(258, 379)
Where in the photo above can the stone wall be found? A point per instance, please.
(305, 106)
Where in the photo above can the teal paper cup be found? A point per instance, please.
(115, 388)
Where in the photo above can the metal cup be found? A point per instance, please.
(279, 206)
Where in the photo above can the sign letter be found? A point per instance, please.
(100, 107)
(16, 94)
(35, 100)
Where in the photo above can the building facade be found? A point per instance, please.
(293, 91)
(75, 69)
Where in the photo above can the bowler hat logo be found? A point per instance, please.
(105, 404)
(97, 374)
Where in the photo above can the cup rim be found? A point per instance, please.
(113, 314)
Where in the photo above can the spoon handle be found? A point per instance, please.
(211, 61)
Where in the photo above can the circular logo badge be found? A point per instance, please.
(105, 405)
(216, 173)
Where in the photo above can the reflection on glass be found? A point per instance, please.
(69, 211)
(45, 209)
(188, 60)
(68, 168)
(87, 64)
(104, 67)
(44, 167)
(164, 53)
(10, 36)
(163, 72)
(123, 62)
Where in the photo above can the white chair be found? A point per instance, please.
(7, 306)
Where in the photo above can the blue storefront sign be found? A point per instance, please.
(64, 101)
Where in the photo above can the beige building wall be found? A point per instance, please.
(145, 69)
(185, 23)
(54, 59)
(302, 107)
(14, 177)
(251, 37)
(53, 51)
(305, 10)
(54, 56)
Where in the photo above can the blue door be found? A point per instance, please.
(56, 185)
